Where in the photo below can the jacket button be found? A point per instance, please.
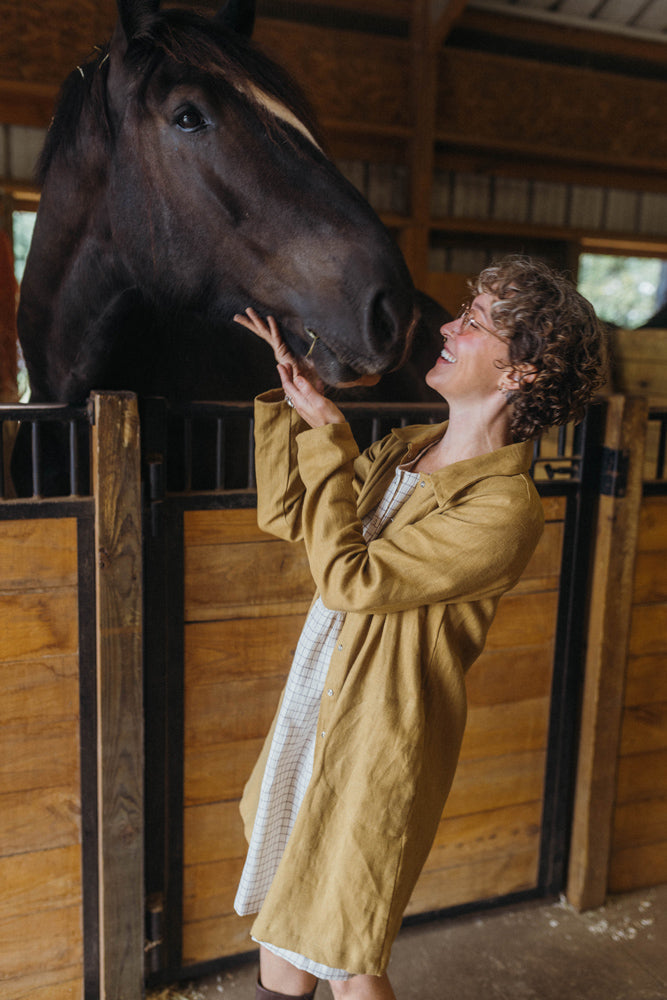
(330, 692)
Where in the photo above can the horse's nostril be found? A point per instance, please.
(384, 324)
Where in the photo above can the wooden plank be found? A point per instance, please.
(216, 773)
(240, 648)
(249, 574)
(497, 782)
(34, 690)
(644, 728)
(646, 679)
(648, 634)
(650, 578)
(480, 836)
(36, 624)
(608, 634)
(50, 758)
(527, 92)
(117, 491)
(641, 822)
(335, 67)
(32, 883)
(230, 711)
(30, 822)
(489, 879)
(554, 508)
(524, 620)
(506, 675)
(209, 890)
(543, 570)
(653, 525)
(638, 867)
(642, 776)
(213, 832)
(220, 527)
(34, 988)
(505, 729)
(38, 553)
(205, 940)
(52, 940)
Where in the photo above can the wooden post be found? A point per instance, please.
(432, 20)
(608, 631)
(120, 751)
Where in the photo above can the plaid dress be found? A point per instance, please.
(290, 763)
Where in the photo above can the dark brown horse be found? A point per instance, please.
(183, 179)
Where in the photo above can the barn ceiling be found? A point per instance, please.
(638, 19)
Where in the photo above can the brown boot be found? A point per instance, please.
(263, 994)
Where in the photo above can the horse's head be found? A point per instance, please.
(220, 195)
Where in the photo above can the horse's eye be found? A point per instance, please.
(190, 120)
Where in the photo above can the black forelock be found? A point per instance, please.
(204, 48)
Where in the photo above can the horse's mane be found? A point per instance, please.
(84, 86)
(207, 51)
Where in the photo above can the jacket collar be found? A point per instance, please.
(511, 460)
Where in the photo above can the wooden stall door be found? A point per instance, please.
(246, 595)
(639, 825)
(41, 932)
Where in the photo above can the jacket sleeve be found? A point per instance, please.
(280, 490)
(475, 547)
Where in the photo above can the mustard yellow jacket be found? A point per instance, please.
(419, 601)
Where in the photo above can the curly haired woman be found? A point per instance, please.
(411, 545)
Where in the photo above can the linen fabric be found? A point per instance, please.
(290, 763)
(418, 602)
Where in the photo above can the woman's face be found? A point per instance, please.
(470, 365)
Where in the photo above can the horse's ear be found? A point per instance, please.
(239, 15)
(136, 15)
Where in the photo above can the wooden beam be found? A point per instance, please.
(536, 32)
(118, 546)
(608, 632)
(415, 237)
(444, 15)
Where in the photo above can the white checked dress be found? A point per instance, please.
(290, 762)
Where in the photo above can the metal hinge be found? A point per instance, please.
(614, 472)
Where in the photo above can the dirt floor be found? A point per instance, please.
(530, 951)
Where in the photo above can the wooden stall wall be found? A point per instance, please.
(41, 932)
(488, 842)
(639, 833)
(246, 595)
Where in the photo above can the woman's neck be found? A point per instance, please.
(468, 435)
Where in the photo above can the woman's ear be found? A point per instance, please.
(512, 378)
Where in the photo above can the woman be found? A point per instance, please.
(411, 545)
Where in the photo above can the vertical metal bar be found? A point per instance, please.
(568, 661)
(36, 459)
(251, 454)
(73, 458)
(2, 460)
(220, 453)
(662, 446)
(187, 451)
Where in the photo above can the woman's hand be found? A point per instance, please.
(300, 390)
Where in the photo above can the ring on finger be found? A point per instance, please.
(289, 400)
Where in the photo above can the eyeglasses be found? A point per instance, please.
(467, 320)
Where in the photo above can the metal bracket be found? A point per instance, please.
(614, 472)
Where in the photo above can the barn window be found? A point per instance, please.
(626, 291)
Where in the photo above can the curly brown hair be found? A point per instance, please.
(552, 329)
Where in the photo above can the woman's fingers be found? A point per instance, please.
(316, 409)
(267, 330)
